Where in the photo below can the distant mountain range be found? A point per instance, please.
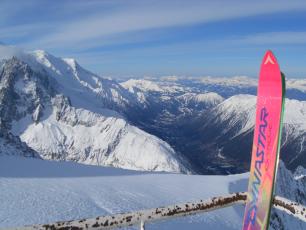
(210, 120)
(52, 108)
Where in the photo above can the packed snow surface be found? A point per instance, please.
(38, 191)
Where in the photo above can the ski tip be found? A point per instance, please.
(269, 58)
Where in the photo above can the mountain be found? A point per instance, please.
(223, 135)
(53, 109)
(166, 104)
(215, 132)
(80, 85)
(10, 144)
(62, 112)
(203, 124)
(230, 86)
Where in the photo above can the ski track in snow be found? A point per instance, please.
(36, 191)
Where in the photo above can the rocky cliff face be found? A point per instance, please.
(13, 106)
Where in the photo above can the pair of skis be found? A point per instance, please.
(266, 144)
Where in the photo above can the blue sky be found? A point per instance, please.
(159, 37)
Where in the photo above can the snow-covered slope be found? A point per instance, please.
(223, 134)
(238, 110)
(58, 109)
(295, 112)
(141, 84)
(230, 86)
(83, 136)
(147, 86)
(244, 81)
(80, 85)
(47, 197)
(228, 130)
(35, 191)
(207, 100)
(147, 91)
(170, 99)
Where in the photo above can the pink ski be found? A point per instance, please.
(265, 150)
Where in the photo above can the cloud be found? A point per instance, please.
(124, 17)
(7, 52)
(127, 34)
(21, 31)
(275, 38)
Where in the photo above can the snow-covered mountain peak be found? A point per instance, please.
(142, 84)
(235, 113)
(229, 81)
(65, 67)
(79, 84)
(238, 104)
(45, 59)
(209, 98)
(243, 106)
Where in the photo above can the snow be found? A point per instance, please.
(144, 85)
(91, 138)
(208, 98)
(77, 83)
(299, 173)
(75, 124)
(243, 105)
(299, 84)
(169, 78)
(238, 81)
(37, 191)
(238, 106)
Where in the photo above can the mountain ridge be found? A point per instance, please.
(47, 117)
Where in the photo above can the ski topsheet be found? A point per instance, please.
(266, 144)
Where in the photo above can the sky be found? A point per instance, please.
(119, 38)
